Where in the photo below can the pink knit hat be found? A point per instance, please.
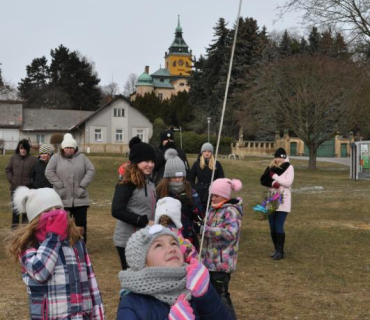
(223, 187)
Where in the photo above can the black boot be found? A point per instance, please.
(274, 241)
(280, 246)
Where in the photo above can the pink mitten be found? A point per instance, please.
(57, 224)
(197, 278)
(181, 310)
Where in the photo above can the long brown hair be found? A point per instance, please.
(134, 175)
(24, 237)
(163, 188)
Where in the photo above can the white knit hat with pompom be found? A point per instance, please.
(68, 141)
(35, 201)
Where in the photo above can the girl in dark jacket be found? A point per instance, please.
(38, 179)
(158, 283)
(175, 185)
(201, 172)
(134, 198)
(18, 173)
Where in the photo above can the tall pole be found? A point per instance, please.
(208, 122)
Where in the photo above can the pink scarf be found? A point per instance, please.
(41, 228)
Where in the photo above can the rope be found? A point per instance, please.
(221, 122)
(220, 129)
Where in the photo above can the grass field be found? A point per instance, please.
(326, 272)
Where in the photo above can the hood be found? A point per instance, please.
(235, 202)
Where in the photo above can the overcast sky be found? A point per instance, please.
(119, 36)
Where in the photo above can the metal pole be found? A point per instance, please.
(180, 138)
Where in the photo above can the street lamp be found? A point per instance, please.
(208, 121)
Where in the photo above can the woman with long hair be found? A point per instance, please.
(134, 198)
(279, 177)
(174, 184)
(201, 172)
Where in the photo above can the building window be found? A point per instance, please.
(140, 134)
(160, 96)
(174, 64)
(98, 135)
(161, 80)
(40, 138)
(119, 135)
(119, 112)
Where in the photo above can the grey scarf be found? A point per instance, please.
(176, 186)
(165, 284)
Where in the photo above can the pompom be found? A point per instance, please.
(67, 136)
(236, 184)
(133, 141)
(20, 198)
(170, 154)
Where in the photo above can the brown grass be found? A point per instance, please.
(326, 272)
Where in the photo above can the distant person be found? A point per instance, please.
(134, 197)
(70, 172)
(38, 179)
(279, 177)
(18, 173)
(167, 142)
(56, 267)
(201, 172)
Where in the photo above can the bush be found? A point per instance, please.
(192, 142)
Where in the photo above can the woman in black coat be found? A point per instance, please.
(201, 172)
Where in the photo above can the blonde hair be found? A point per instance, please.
(163, 188)
(134, 175)
(24, 237)
(211, 162)
(275, 164)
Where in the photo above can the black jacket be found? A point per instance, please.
(203, 178)
(38, 179)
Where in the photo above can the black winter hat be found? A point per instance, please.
(280, 153)
(166, 135)
(140, 151)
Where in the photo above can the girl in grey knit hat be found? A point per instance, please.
(175, 185)
(158, 285)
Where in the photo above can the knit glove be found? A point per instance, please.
(276, 185)
(57, 224)
(197, 278)
(181, 310)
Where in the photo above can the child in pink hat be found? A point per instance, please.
(221, 236)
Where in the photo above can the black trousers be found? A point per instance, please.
(79, 214)
(220, 281)
(16, 216)
(122, 257)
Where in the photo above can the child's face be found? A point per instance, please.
(165, 252)
(146, 166)
(217, 199)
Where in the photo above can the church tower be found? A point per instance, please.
(178, 58)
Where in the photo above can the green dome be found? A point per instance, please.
(145, 80)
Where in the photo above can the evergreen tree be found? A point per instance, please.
(326, 43)
(285, 45)
(314, 41)
(304, 47)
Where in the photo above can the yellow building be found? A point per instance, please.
(174, 77)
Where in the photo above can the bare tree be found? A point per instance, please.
(352, 15)
(314, 96)
(110, 90)
(129, 86)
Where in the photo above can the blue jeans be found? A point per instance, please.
(276, 221)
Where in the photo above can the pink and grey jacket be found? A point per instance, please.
(222, 235)
(61, 282)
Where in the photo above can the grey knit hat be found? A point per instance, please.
(139, 243)
(174, 167)
(206, 147)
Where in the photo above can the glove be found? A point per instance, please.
(276, 185)
(197, 278)
(181, 310)
(57, 224)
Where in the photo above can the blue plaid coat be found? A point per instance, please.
(60, 281)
